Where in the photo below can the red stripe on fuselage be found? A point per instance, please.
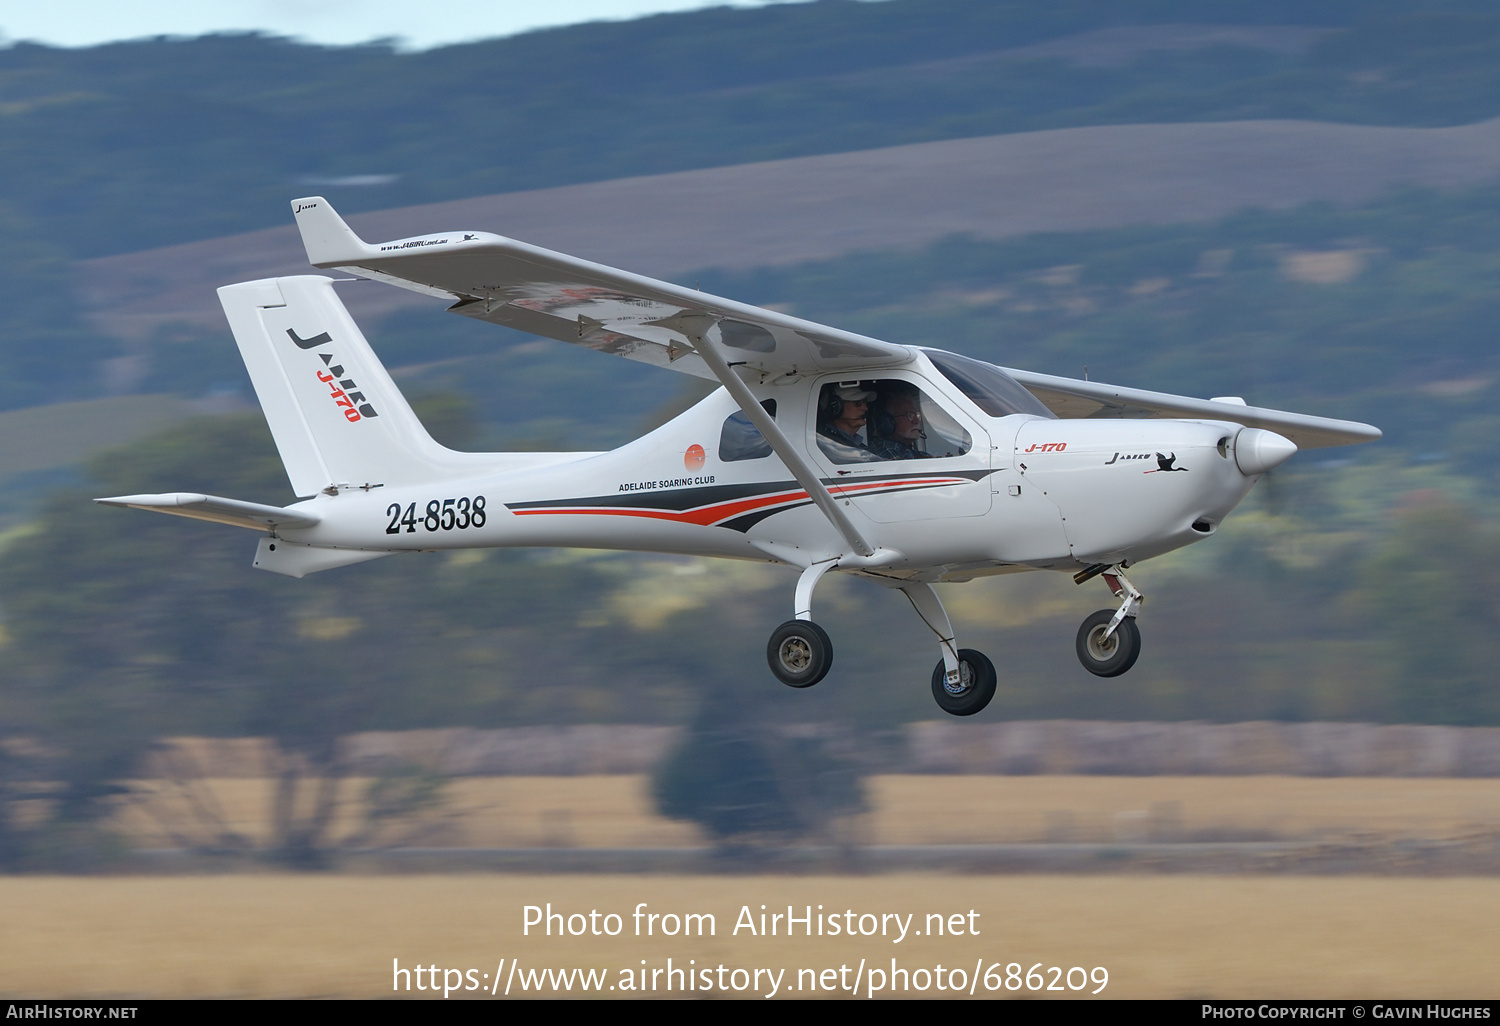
(708, 516)
(705, 516)
(905, 482)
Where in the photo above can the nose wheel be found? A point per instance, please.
(1109, 642)
(799, 653)
(1106, 653)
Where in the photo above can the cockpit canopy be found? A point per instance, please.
(990, 388)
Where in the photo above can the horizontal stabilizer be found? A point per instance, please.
(234, 512)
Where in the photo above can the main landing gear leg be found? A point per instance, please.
(799, 651)
(963, 682)
(930, 608)
(1109, 642)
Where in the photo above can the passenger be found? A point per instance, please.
(842, 412)
(897, 428)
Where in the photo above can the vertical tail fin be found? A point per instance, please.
(337, 417)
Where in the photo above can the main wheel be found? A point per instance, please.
(1108, 656)
(799, 653)
(975, 687)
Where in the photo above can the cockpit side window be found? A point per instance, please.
(885, 419)
(741, 440)
(991, 389)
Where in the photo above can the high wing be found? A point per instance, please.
(492, 278)
(496, 279)
(1072, 399)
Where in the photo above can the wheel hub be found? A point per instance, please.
(795, 654)
(963, 684)
(1101, 645)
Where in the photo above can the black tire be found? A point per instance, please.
(1112, 656)
(976, 684)
(800, 653)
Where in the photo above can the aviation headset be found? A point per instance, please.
(883, 425)
(831, 404)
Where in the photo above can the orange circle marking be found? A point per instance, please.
(694, 457)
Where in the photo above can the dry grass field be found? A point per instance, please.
(967, 810)
(268, 935)
(616, 812)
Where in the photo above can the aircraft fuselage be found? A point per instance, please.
(1029, 493)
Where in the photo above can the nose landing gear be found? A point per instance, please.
(1104, 654)
(1109, 642)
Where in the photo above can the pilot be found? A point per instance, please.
(842, 411)
(896, 427)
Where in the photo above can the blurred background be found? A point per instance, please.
(1297, 203)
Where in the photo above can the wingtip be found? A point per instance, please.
(329, 241)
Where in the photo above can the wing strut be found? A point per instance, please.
(694, 327)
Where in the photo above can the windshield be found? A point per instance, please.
(992, 390)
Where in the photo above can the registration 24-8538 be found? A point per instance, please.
(441, 515)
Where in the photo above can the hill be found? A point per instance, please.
(148, 143)
(816, 208)
(114, 149)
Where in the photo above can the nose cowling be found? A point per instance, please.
(1257, 450)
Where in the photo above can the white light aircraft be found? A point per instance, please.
(823, 450)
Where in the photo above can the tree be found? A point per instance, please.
(1431, 585)
(127, 628)
(742, 781)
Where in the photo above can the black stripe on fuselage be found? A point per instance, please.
(677, 499)
(683, 499)
(680, 499)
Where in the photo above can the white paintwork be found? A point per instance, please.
(216, 509)
(1070, 397)
(1131, 475)
(338, 419)
(1257, 451)
(1116, 501)
(291, 559)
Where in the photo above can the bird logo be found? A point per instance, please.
(1164, 465)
